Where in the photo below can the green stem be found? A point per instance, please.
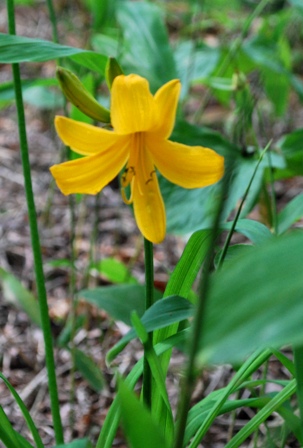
(149, 300)
(230, 233)
(73, 311)
(298, 360)
(273, 196)
(38, 264)
(53, 19)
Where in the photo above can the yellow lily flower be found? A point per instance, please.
(142, 124)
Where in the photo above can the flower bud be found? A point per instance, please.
(80, 97)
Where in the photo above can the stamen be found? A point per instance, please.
(151, 177)
(128, 175)
(125, 199)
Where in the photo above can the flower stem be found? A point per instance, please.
(38, 266)
(149, 300)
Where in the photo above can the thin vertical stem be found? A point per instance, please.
(53, 19)
(149, 300)
(38, 265)
(298, 360)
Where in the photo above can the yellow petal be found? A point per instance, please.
(166, 102)
(84, 138)
(148, 203)
(187, 166)
(132, 106)
(90, 174)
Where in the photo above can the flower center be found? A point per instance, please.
(137, 168)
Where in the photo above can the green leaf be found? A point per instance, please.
(111, 422)
(292, 143)
(114, 271)
(119, 300)
(81, 443)
(262, 415)
(291, 213)
(16, 49)
(145, 45)
(194, 63)
(162, 314)
(140, 428)
(29, 421)
(234, 251)
(89, 370)
(7, 433)
(14, 292)
(7, 92)
(42, 98)
(257, 232)
(248, 367)
(184, 275)
(255, 301)
(292, 147)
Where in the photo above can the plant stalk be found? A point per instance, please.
(298, 360)
(36, 248)
(149, 300)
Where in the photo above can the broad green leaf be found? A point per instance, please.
(194, 63)
(140, 428)
(235, 251)
(7, 92)
(255, 301)
(162, 314)
(14, 49)
(81, 443)
(291, 213)
(118, 300)
(101, 12)
(114, 271)
(43, 98)
(14, 292)
(277, 87)
(292, 147)
(292, 143)
(257, 232)
(107, 45)
(89, 370)
(145, 45)
(264, 53)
